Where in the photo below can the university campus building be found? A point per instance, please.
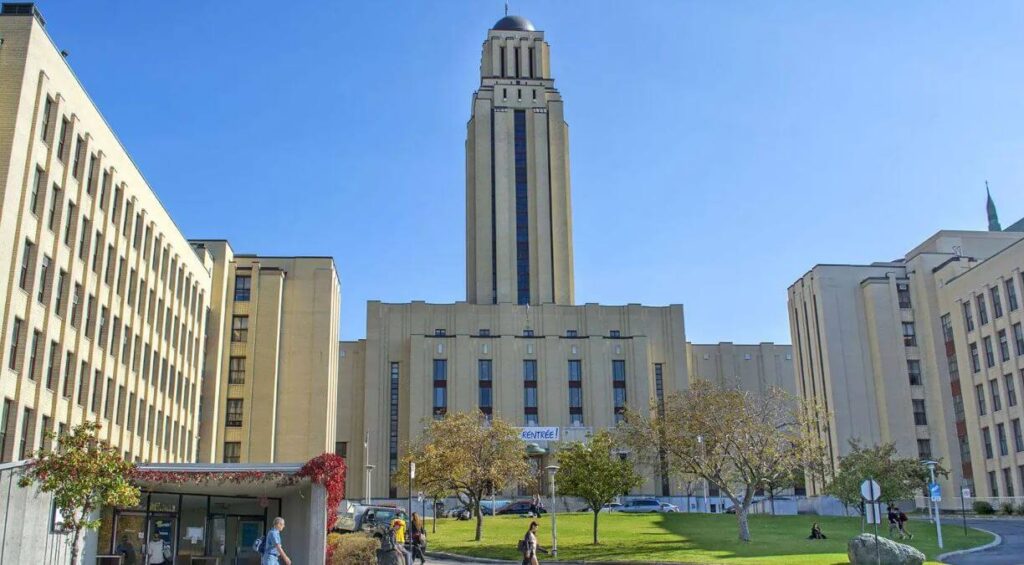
(926, 352)
(520, 347)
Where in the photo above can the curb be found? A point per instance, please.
(998, 540)
(466, 559)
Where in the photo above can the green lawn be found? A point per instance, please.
(687, 538)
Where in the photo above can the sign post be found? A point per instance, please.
(965, 493)
(870, 490)
(936, 496)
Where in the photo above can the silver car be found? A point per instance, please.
(642, 505)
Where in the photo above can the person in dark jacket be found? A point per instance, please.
(418, 537)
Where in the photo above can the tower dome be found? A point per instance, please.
(514, 23)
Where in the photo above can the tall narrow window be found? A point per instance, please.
(26, 264)
(516, 52)
(975, 360)
(33, 198)
(529, 52)
(83, 384)
(990, 355)
(70, 223)
(5, 422)
(982, 310)
(232, 451)
(1004, 346)
(484, 382)
(979, 393)
(903, 295)
(522, 210)
(530, 392)
(1018, 338)
(234, 413)
(1001, 437)
(968, 318)
(504, 64)
(236, 371)
(53, 365)
(1011, 390)
(924, 449)
(27, 431)
(76, 170)
(619, 389)
(440, 388)
(69, 374)
(108, 399)
(575, 392)
(33, 353)
(51, 216)
(62, 140)
(986, 438)
(997, 403)
(920, 417)
(12, 355)
(997, 303)
(44, 128)
(44, 274)
(909, 334)
(90, 184)
(1018, 438)
(1011, 295)
(914, 371)
(97, 390)
(393, 428)
(243, 288)
(240, 328)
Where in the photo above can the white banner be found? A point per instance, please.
(547, 433)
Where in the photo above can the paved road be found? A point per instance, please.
(1010, 552)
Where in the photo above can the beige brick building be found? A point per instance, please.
(104, 301)
(756, 368)
(983, 323)
(871, 348)
(272, 357)
(519, 348)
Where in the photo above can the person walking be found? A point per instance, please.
(398, 525)
(530, 545)
(903, 519)
(419, 537)
(127, 551)
(894, 521)
(155, 550)
(273, 552)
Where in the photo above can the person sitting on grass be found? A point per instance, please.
(816, 532)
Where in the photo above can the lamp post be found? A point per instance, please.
(412, 477)
(700, 441)
(938, 521)
(552, 469)
(369, 478)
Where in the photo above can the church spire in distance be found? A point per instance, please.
(993, 216)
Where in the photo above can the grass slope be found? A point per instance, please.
(687, 538)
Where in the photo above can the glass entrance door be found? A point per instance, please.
(130, 537)
(160, 539)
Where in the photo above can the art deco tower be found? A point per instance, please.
(518, 209)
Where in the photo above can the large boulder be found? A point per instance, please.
(861, 551)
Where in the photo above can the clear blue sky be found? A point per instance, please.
(718, 149)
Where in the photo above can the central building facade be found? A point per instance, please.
(519, 348)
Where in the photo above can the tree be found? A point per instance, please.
(899, 478)
(84, 474)
(735, 439)
(593, 472)
(465, 454)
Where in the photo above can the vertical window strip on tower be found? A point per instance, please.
(575, 392)
(522, 211)
(530, 392)
(393, 429)
(440, 388)
(485, 381)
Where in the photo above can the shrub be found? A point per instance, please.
(1007, 508)
(982, 507)
(353, 549)
(1020, 509)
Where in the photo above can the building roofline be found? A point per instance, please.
(987, 259)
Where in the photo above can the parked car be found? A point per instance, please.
(611, 507)
(520, 508)
(666, 507)
(368, 518)
(459, 513)
(643, 505)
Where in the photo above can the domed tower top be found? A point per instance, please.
(514, 23)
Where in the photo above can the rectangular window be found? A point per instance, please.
(615, 334)
(997, 404)
(920, 417)
(982, 310)
(90, 185)
(986, 438)
(236, 371)
(393, 424)
(69, 224)
(997, 304)
(44, 128)
(1001, 436)
(1018, 338)
(993, 486)
(97, 252)
(1008, 481)
(26, 264)
(571, 333)
(76, 303)
(924, 449)
(914, 371)
(27, 430)
(440, 332)
(53, 366)
(5, 422)
(1004, 346)
(69, 375)
(243, 288)
(530, 391)
(62, 142)
(1011, 390)
(440, 388)
(12, 354)
(44, 273)
(33, 197)
(979, 392)
(240, 328)
(522, 208)
(909, 335)
(527, 333)
(990, 355)
(33, 353)
(575, 373)
(83, 384)
(485, 379)
(903, 295)
(129, 422)
(108, 400)
(234, 413)
(968, 318)
(90, 317)
(51, 215)
(1018, 438)
(619, 390)
(58, 302)
(76, 170)
(232, 451)
(97, 391)
(1011, 295)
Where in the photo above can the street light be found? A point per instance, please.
(552, 469)
(369, 477)
(700, 441)
(938, 521)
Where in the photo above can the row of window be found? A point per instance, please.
(484, 332)
(993, 387)
(997, 303)
(1003, 345)
(993, 484)
(485, 379)
(1004, 448)
(517, 60)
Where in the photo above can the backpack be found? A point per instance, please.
(258, 546)
(524, 545)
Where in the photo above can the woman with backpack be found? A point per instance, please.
(528, 545)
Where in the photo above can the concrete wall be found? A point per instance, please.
(25, 524)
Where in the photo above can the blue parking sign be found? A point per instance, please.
(936, 493)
